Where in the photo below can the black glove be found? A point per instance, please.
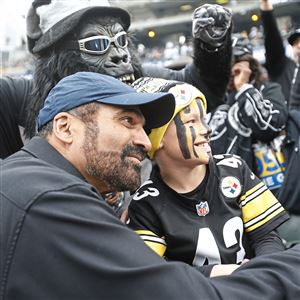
(211, 23)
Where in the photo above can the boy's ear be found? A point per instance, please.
(161, 145)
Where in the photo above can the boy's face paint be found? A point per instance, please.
(191, 132)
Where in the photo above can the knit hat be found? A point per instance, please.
(184, 95)
(49, 21)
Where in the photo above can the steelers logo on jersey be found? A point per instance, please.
(230, 187)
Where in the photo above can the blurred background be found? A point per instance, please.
(162, 29)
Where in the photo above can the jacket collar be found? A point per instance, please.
(41, 149)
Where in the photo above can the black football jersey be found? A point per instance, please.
(213, 224)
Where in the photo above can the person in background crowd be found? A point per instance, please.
(90, 35)
(251, 122)
(61, 240)
(209, 211)
(281, 68)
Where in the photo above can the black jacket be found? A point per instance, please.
(60, 240)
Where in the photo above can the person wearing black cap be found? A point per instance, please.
(281, 69)
(90, 35)
(60, 239)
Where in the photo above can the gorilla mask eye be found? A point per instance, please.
(100, 44)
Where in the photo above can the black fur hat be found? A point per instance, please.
(48, 21)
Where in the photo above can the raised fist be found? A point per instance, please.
(211, 23)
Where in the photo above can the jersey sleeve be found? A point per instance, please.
(261, 211)
(143, 218)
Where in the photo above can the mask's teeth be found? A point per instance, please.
(126, 78)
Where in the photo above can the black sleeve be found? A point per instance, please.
(212, 71)
(267, 244)
(275, 51)
(261, 276)
(205, 270)
(14, 98)
(82, 250)
(151, 70)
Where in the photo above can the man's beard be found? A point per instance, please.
(112, 167)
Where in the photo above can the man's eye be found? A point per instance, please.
(128, 120)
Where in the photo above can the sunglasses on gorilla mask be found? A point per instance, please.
(100, 44)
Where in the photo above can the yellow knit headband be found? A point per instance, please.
(184, 95)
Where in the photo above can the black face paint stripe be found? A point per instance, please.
(201, 109)
(181, 135)
(193, 134)
(199, 104)
(187, 109)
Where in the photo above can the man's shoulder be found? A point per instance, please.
(26, 179)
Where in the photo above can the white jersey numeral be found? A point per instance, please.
(151, 191)
(207, 249)
(229, 230)
(232, 162)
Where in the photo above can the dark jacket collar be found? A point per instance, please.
(40, 148)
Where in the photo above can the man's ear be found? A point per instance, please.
(63, 127)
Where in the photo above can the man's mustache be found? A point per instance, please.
(130, 150)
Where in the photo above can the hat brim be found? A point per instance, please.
(292, 38)
(66, 25)
(157, 108)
